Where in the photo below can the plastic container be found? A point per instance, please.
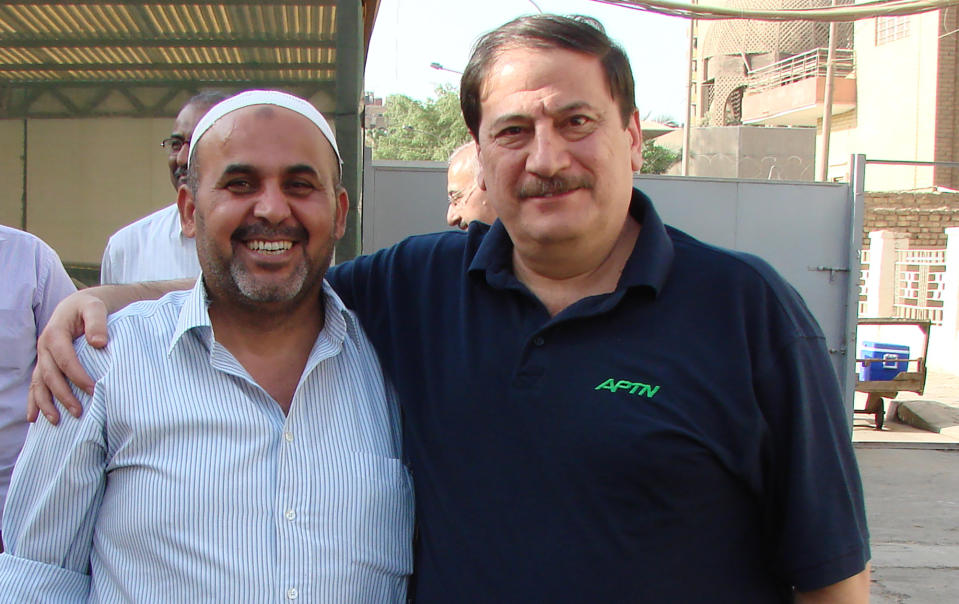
(889, 354)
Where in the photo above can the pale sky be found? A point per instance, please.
(411, 34)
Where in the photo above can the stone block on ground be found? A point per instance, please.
(929, 415)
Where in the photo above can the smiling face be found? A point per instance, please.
(556, 158)
(267, 210)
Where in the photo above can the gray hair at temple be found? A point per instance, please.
(576, 32)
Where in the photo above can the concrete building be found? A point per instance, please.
(894, 96)
(907, 76)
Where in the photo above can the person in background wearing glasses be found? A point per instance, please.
(154, 247)
(467, 200)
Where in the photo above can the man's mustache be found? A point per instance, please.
(556, 185)
(258, 230)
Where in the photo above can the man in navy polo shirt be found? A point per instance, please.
(600, 408)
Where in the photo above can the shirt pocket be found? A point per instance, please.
(18, 339)
(382, 515)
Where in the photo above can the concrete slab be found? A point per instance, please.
(929, 415)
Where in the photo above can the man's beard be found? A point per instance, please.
(232, 279)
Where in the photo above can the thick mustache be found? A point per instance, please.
(259, 230)
(180, 172)
(556, 185)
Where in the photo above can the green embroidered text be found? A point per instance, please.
(637, 388)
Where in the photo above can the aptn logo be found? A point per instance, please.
(635, 388)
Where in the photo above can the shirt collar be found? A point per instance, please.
(339, 322)
(648, 265)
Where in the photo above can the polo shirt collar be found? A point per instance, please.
(648, 265)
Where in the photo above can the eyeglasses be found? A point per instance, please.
(174, 143)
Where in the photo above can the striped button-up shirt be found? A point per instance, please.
(184, 481)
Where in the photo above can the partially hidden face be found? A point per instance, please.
(268, 207)
(467, 202)
(556, 159)
(183, 127)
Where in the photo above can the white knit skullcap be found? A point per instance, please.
(262, 97)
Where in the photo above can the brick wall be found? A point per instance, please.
(947, 116)
(924, 216)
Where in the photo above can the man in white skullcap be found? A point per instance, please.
(240, 444)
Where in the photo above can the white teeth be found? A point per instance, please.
(269, 247)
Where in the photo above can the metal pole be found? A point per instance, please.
(689, 98)
(349, 129)
(827, 105)
(23, 195)
(857, 193)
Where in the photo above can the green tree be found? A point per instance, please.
(657, 159)
(423, 130)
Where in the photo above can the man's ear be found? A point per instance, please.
(635, 132)
(342, 208)
(187, 206)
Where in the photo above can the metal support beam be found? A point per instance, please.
(349, 133)
(98, 42)
(146, 100)
(140, 67)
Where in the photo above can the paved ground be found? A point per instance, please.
(912, 501)
(911, 482)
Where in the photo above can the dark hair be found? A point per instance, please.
(575, 32)
(208, 98)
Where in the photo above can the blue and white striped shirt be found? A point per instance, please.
(184, 481)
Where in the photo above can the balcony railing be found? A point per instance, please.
(799, 67)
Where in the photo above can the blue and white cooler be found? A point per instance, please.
(893, 357)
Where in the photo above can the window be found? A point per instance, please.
(890, 29)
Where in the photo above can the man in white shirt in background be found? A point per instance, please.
(155, 247)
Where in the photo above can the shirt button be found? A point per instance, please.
(292, 594)
(539, 341)
(290, 514)
(288, 436)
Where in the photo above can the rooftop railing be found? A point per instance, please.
(810, 64)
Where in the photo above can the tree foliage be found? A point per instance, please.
(425, 130)
(657, 159)
(430, 130)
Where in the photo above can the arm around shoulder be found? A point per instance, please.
(83, 313)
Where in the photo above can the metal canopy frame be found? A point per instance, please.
(138, 58)
(66, 59)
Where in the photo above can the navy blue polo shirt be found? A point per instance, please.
(681, 439)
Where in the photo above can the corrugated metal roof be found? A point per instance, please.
(144, 43)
